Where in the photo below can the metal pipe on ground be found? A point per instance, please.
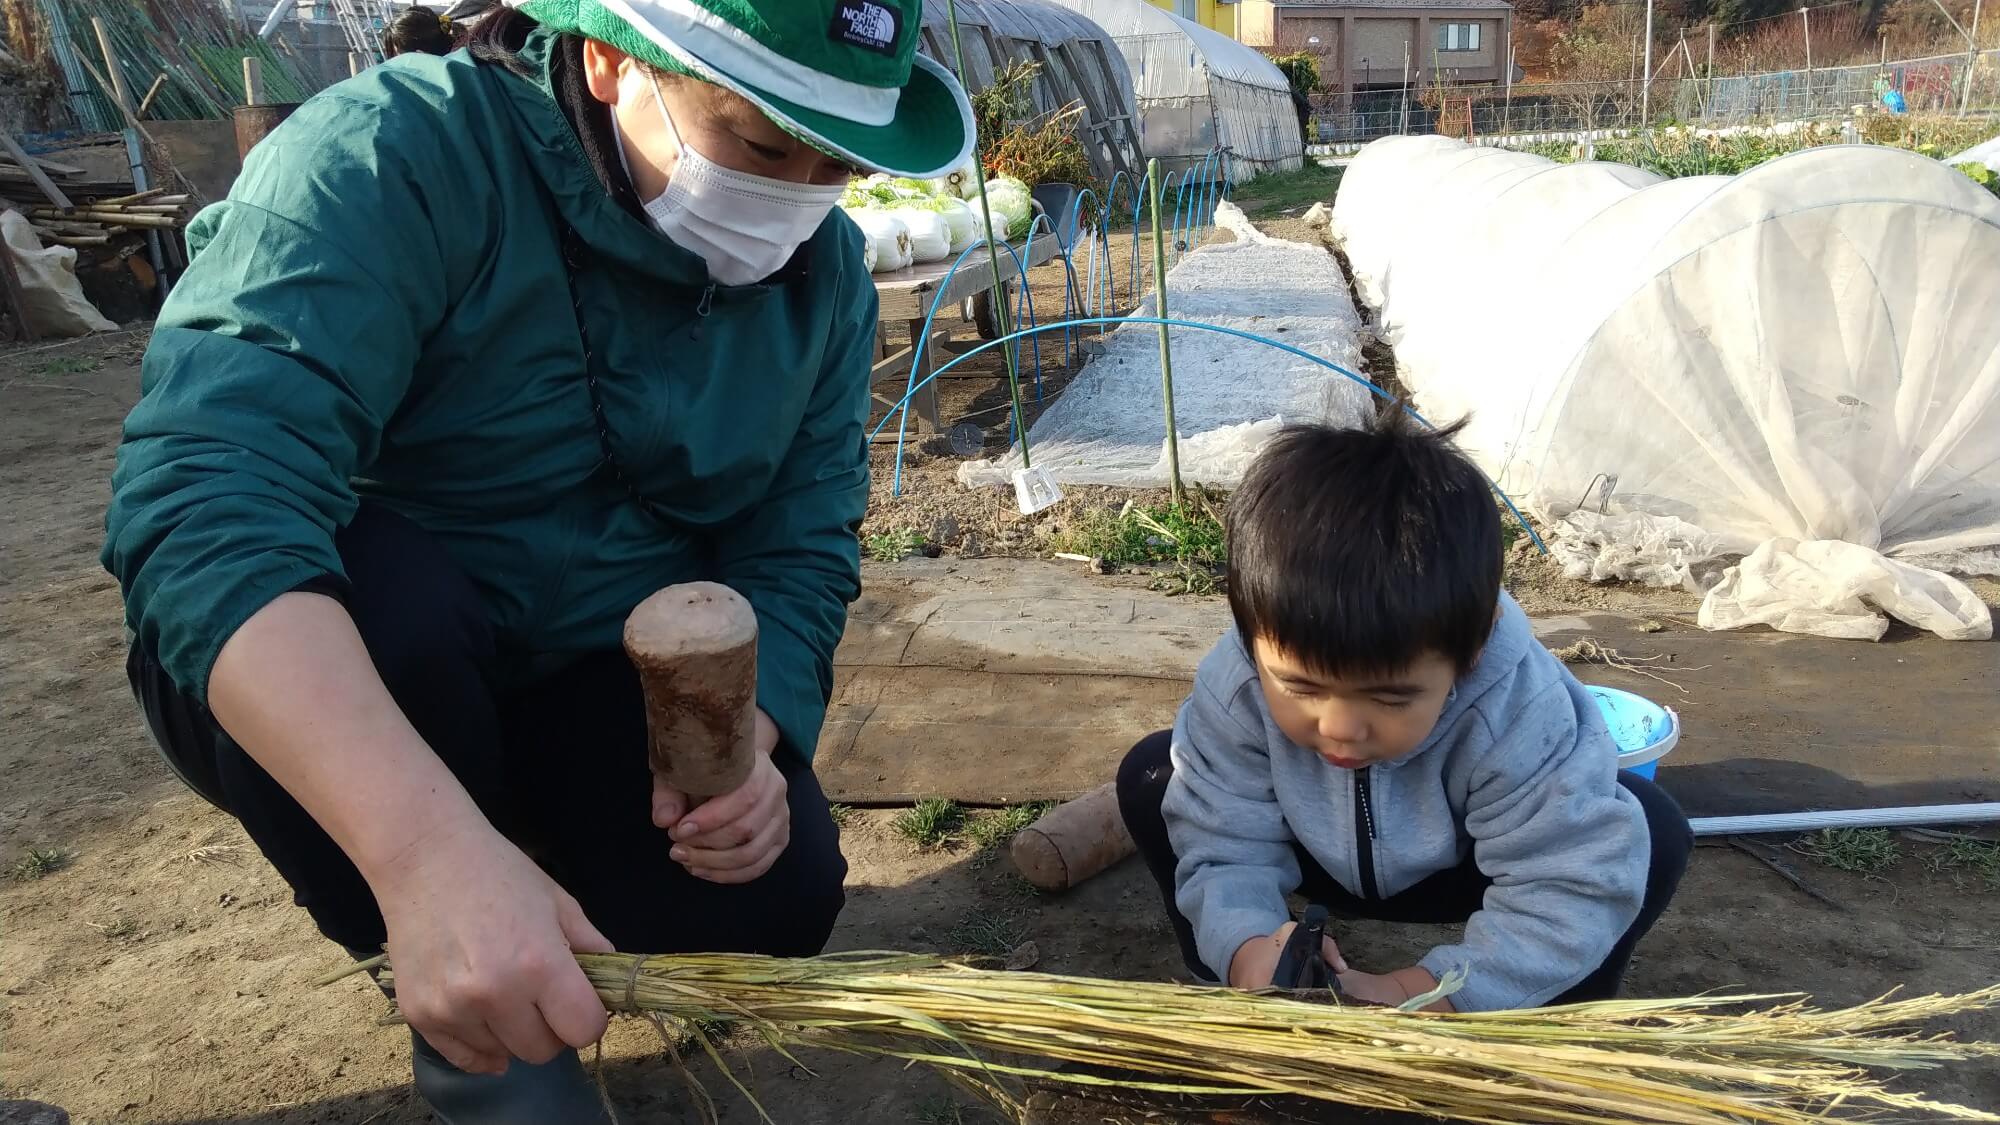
(1910, 816)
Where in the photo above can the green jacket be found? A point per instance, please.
(379, 310)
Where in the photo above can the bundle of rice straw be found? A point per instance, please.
(1719, 1059)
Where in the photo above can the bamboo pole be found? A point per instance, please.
(111, 218)
(155, 195)
(1002, 310)
(1166, 345)
(153, 91)
(125, 109)
(119, 93)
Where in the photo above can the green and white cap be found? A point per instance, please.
(842, 75)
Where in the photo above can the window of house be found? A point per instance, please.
(1458, 37)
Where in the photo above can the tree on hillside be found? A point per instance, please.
(1593, 61)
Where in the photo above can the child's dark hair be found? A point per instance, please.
(1357, 551)
(421, 30)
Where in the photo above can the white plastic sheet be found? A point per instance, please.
(1805, 352)
(56, 305)
(1230, 395)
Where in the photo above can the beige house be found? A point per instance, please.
(1380, 44)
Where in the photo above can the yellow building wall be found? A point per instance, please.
(1208, 13)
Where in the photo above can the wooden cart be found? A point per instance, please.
(907, 296)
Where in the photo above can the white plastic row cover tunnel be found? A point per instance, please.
(1230, 395)
(1798, 366)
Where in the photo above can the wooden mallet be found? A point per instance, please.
(1073, 841)
(695, 646)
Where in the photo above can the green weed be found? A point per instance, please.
(987, 935)
(40, 863)
(1861, 851)
(1965, 856)
(1189, 534)
(992, 830)
(1279, 193)
(931, 823)
(1683, 152)
(841, 814)
(70, 365)
(892, 546)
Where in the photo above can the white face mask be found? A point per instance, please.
(744, 226)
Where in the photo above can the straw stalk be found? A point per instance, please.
(1701, 1061)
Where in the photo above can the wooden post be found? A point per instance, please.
(118, 91)
(253, 80)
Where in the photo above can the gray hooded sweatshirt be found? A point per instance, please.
(1520, 772)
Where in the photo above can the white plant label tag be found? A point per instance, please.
(1035, 490)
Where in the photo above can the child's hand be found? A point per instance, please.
(1391, 989)
(1256, 960)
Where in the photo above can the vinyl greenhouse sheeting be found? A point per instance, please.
(1798, 366)
(1199, 90)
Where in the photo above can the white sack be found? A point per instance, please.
(55, 302)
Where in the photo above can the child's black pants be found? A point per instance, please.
(559, 766)
(1448, 896)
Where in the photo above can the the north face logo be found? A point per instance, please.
(867, 25)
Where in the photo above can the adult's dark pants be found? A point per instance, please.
(559, 766)
(1448, 896)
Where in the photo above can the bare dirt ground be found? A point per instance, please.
(154, 969)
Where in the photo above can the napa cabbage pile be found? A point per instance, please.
(905, 221)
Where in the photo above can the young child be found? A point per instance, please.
(1382, 733)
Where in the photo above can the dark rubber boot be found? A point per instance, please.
(556, 1091)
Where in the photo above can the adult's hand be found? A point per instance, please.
(481, 940)
(737, 836)
(481, 937)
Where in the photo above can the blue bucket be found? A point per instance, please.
(1644, 731)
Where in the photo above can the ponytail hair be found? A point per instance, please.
(422, 30)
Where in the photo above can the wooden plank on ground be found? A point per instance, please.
(48, 165)
(45, 185)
